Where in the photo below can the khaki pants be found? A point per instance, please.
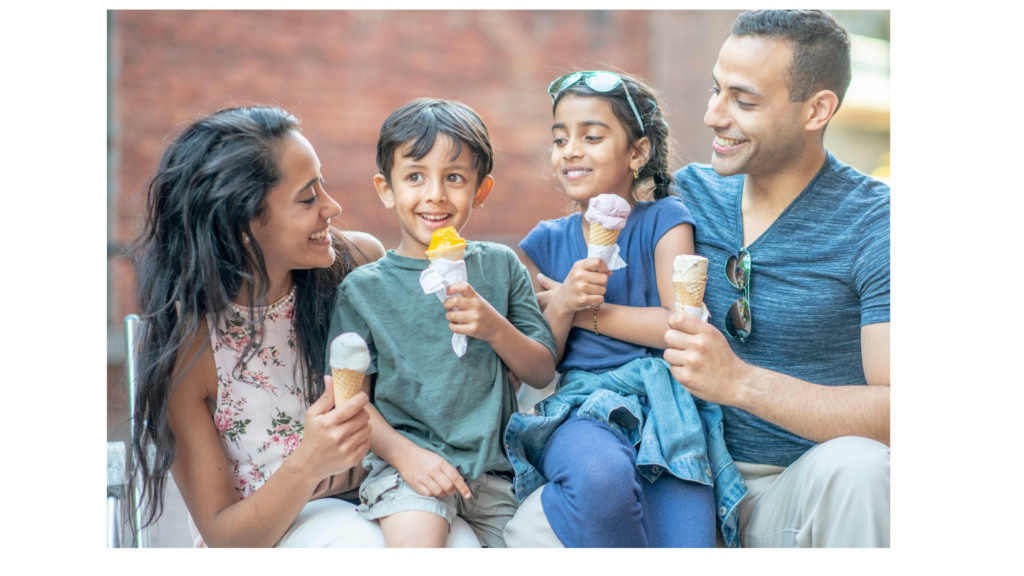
(835, 495)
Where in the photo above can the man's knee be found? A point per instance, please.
(529, 528)
(851, 461)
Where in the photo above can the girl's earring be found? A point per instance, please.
(245, 238)
(636, 173)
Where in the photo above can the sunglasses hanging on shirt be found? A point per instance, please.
(738, 321)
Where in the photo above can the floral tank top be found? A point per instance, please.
(260, 408)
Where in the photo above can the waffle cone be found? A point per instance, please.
(452, 253)
(346, 384)
(601, 236)
(689, 293)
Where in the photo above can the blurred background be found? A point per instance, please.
(343, 72)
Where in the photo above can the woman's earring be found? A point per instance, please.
(245, 238)
(636, 173)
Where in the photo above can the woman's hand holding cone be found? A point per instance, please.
(334, 440)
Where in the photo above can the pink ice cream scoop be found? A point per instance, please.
(608, 210)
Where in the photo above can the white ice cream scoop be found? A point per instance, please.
(349, 352)
(689, 268)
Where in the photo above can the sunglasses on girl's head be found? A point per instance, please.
(598, 81)
(738, 321)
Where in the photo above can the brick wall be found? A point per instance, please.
(342, 72)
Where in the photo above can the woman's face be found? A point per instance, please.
(293, 231)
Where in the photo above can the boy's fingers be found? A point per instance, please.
(456, 478)
(463, 287)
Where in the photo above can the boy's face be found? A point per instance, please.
(431, 193)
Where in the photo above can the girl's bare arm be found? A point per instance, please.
(644, 326)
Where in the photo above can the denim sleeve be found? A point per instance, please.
(347, 317)
(871, 266)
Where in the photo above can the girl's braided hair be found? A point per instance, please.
(654, 179)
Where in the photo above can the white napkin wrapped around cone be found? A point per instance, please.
(435, 280)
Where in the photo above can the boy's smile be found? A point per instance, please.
(431, 192)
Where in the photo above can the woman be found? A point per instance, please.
(237, 267)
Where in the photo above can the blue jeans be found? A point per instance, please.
(596, 498)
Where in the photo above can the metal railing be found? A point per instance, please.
(118, 454)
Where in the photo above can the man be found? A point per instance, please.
(804, 378)
(802, 369)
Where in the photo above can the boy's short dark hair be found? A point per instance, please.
(421, 120)
(821, 48)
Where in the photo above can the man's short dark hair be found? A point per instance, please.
(421, 120)
(821, 48)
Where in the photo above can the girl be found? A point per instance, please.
(644, 478)
(238, 264)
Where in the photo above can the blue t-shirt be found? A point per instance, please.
(819, 273)
(555, 245)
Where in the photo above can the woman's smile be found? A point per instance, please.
(321, 237)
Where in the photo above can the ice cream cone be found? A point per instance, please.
(601, 236)
(452, 253)
(689, 293)
(346, 384)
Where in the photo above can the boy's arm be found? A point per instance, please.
(529, 360)
(426, 472)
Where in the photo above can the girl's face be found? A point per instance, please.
(591, 153)
(293, 231)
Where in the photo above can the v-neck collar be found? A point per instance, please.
(738, 207)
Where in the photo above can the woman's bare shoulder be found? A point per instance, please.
(196, 365)
(369, 249)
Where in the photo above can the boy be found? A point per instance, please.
(437, 419)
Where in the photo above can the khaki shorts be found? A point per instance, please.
(493, 504)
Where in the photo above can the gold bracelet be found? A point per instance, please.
(596, 308)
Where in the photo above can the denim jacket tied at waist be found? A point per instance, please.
(671, 437)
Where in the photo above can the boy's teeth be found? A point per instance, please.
(434, 217)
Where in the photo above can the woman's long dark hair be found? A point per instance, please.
(654, 178)
(191, 262)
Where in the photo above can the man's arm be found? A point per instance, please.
(706, 366)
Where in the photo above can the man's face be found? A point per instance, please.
(758, 131)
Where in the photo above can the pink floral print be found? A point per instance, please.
(260, 408)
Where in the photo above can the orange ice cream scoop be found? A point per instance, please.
(445, 238)
(446, 243)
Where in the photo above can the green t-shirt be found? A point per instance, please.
(455, 407)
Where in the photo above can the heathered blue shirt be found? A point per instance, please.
(819, 273)
(555, 245)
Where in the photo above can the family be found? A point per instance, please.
(765, 426)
